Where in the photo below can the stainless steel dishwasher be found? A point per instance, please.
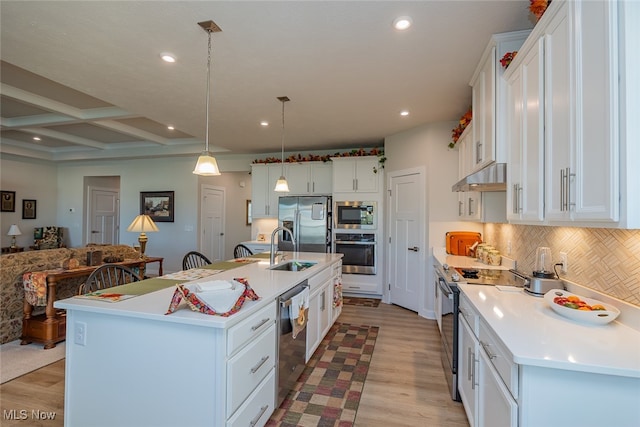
(291, 351)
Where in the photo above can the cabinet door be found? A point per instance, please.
(313, 325)
(483, 106)
(526, 129)
(467, 372)
(297, 175)
(259, 192)
(366, 174)
(321, 178)
(496, 407)
(344, 175)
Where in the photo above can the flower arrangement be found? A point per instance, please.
(507, 58)
(325, 158)
(537, 7)
(462, 125)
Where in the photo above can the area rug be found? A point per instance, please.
(363, 302)
(17, 360)
(329, 389)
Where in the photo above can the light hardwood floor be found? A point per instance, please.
(405, 385)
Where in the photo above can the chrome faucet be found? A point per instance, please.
(272, 258)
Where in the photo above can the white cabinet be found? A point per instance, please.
(320, 306)
(525, 131)
(257, 247)
(468, 201)
(487, 375)
(356, 174)
(310, 178)
(488, 96)
(264, 201)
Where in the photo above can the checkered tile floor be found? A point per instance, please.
(328, 390)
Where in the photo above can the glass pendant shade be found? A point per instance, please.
(207, 165)
(281, 185)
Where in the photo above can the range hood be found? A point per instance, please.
(490, 178)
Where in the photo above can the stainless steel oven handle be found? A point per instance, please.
(341, 242)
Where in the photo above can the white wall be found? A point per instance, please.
(427, 145)
(34, 180)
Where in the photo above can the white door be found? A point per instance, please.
(212, 222)
(406, 240)
(104, 216)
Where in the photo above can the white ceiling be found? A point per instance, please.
(86, 76)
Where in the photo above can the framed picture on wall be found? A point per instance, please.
(8, 201)
(28, 209)
(158, 205)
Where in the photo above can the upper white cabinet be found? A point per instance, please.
(356, 174)
(468, 201)
(488, 100)
(568, 98)
(525, 131)
(264, 201)
(310, 178)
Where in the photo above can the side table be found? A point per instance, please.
(10, 250)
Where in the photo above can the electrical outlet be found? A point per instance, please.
(565, 263)
(80, 334)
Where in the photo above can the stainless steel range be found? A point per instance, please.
(447, 308)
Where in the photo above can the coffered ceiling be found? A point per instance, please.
(87, 79)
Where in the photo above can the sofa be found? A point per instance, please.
(12, 267)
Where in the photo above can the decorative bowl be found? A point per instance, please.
(596, 317)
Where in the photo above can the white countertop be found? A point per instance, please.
(268, 284)
(467, 262)
(536, 335)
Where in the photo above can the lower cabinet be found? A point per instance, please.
(319, 314)
(487, 375)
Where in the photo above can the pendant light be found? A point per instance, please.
(281, 185)
(207, 164)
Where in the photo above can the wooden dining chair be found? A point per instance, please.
(194, 259)
(107, 276)
(241, 251)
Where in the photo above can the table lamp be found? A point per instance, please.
(13, 232)
(143, 224)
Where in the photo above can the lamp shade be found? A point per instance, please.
(282, 186)
(206, 165)
(143, 224)
(14, 231)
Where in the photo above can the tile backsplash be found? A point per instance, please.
(607, 260)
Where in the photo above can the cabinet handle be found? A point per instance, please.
(563, 189)
(478, 152)
(255, 419)
(323, 305)
(473, 370)
(460, 204)
(262, 322)
(307, 187)
(469, 356)
(569, 175)
(470, 206)
(259, 364)
(486, 346)
(514, 202)
(313, 187)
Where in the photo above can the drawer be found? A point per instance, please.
(469, 313)
(249, 367)
(500, 357)
(257, 409)
(243, 332)
(318, 280)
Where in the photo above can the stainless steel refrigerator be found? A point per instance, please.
(309, 218)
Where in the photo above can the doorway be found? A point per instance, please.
(102, 221)
(212, 201)
(407, 250)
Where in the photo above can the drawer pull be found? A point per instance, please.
(255, 419)
(486, 349)
(253, 328)
(260, 363)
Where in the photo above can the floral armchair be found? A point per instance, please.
(48, 238)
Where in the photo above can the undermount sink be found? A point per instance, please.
(293, 265)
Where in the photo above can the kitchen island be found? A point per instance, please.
(130, 364)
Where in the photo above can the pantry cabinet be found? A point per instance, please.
(264, 201)
(310, 178)
(356, 174)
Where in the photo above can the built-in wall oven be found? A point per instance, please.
(359, 252)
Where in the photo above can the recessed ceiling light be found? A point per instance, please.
(36, 138)
(170, 127)
(167, 57)
(402, 23)
(404, 113)
(264, 123)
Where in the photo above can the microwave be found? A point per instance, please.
(358, 215)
